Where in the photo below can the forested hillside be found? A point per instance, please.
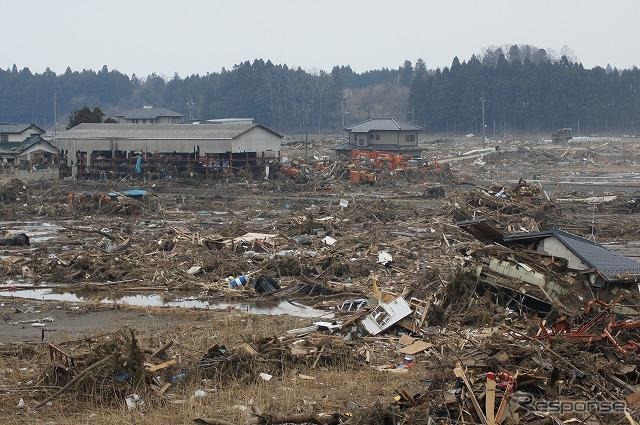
(525, 88)
(276, 95)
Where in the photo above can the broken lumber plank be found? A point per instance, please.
(459, 372)
(156, 367)
(490, 399)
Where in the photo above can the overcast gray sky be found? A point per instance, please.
(196, 36)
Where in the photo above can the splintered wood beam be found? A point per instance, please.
(459, 372)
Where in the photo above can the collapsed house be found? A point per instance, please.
(589, 258)
(552, 268)
(167, 149)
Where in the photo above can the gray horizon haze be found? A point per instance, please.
(197, 36)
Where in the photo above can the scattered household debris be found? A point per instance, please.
(384, 258)
(386, 315)
(471, 298)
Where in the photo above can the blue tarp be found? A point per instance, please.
(132, 193)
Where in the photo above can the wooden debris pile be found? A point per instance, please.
(275, 356)
(103, 370)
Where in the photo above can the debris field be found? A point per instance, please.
(486, 285)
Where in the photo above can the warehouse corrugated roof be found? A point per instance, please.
(382, 124)
(160, 131)
(611, 265)
(150, 113)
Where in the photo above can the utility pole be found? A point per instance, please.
(191, 105)
(342, 106)
(484, 137)
(307, 108)
(55, 116)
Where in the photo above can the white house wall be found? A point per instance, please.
(257, 140)
(553, 246)
(386, 138)
(19, 138)
(40, 147)
(394, 138)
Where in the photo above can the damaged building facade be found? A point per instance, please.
(167, 149)
(550, 269)
(583, 256)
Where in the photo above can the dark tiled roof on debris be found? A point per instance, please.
(609, 264)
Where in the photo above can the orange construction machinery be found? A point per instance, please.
(362, 177)
(381, 159)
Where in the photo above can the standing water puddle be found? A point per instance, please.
(157, 300)
(40, 232)
(37, 231)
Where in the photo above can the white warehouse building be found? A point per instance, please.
(114, 147)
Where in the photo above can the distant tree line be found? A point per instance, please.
(285, 98)
(526, 89)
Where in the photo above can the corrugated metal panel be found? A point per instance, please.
(156, 131)
(183, 138)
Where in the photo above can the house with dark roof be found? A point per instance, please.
(22, 145)
(18, 132)
(601, 264)
(383, 134)
(582, 255)
(150, 115)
